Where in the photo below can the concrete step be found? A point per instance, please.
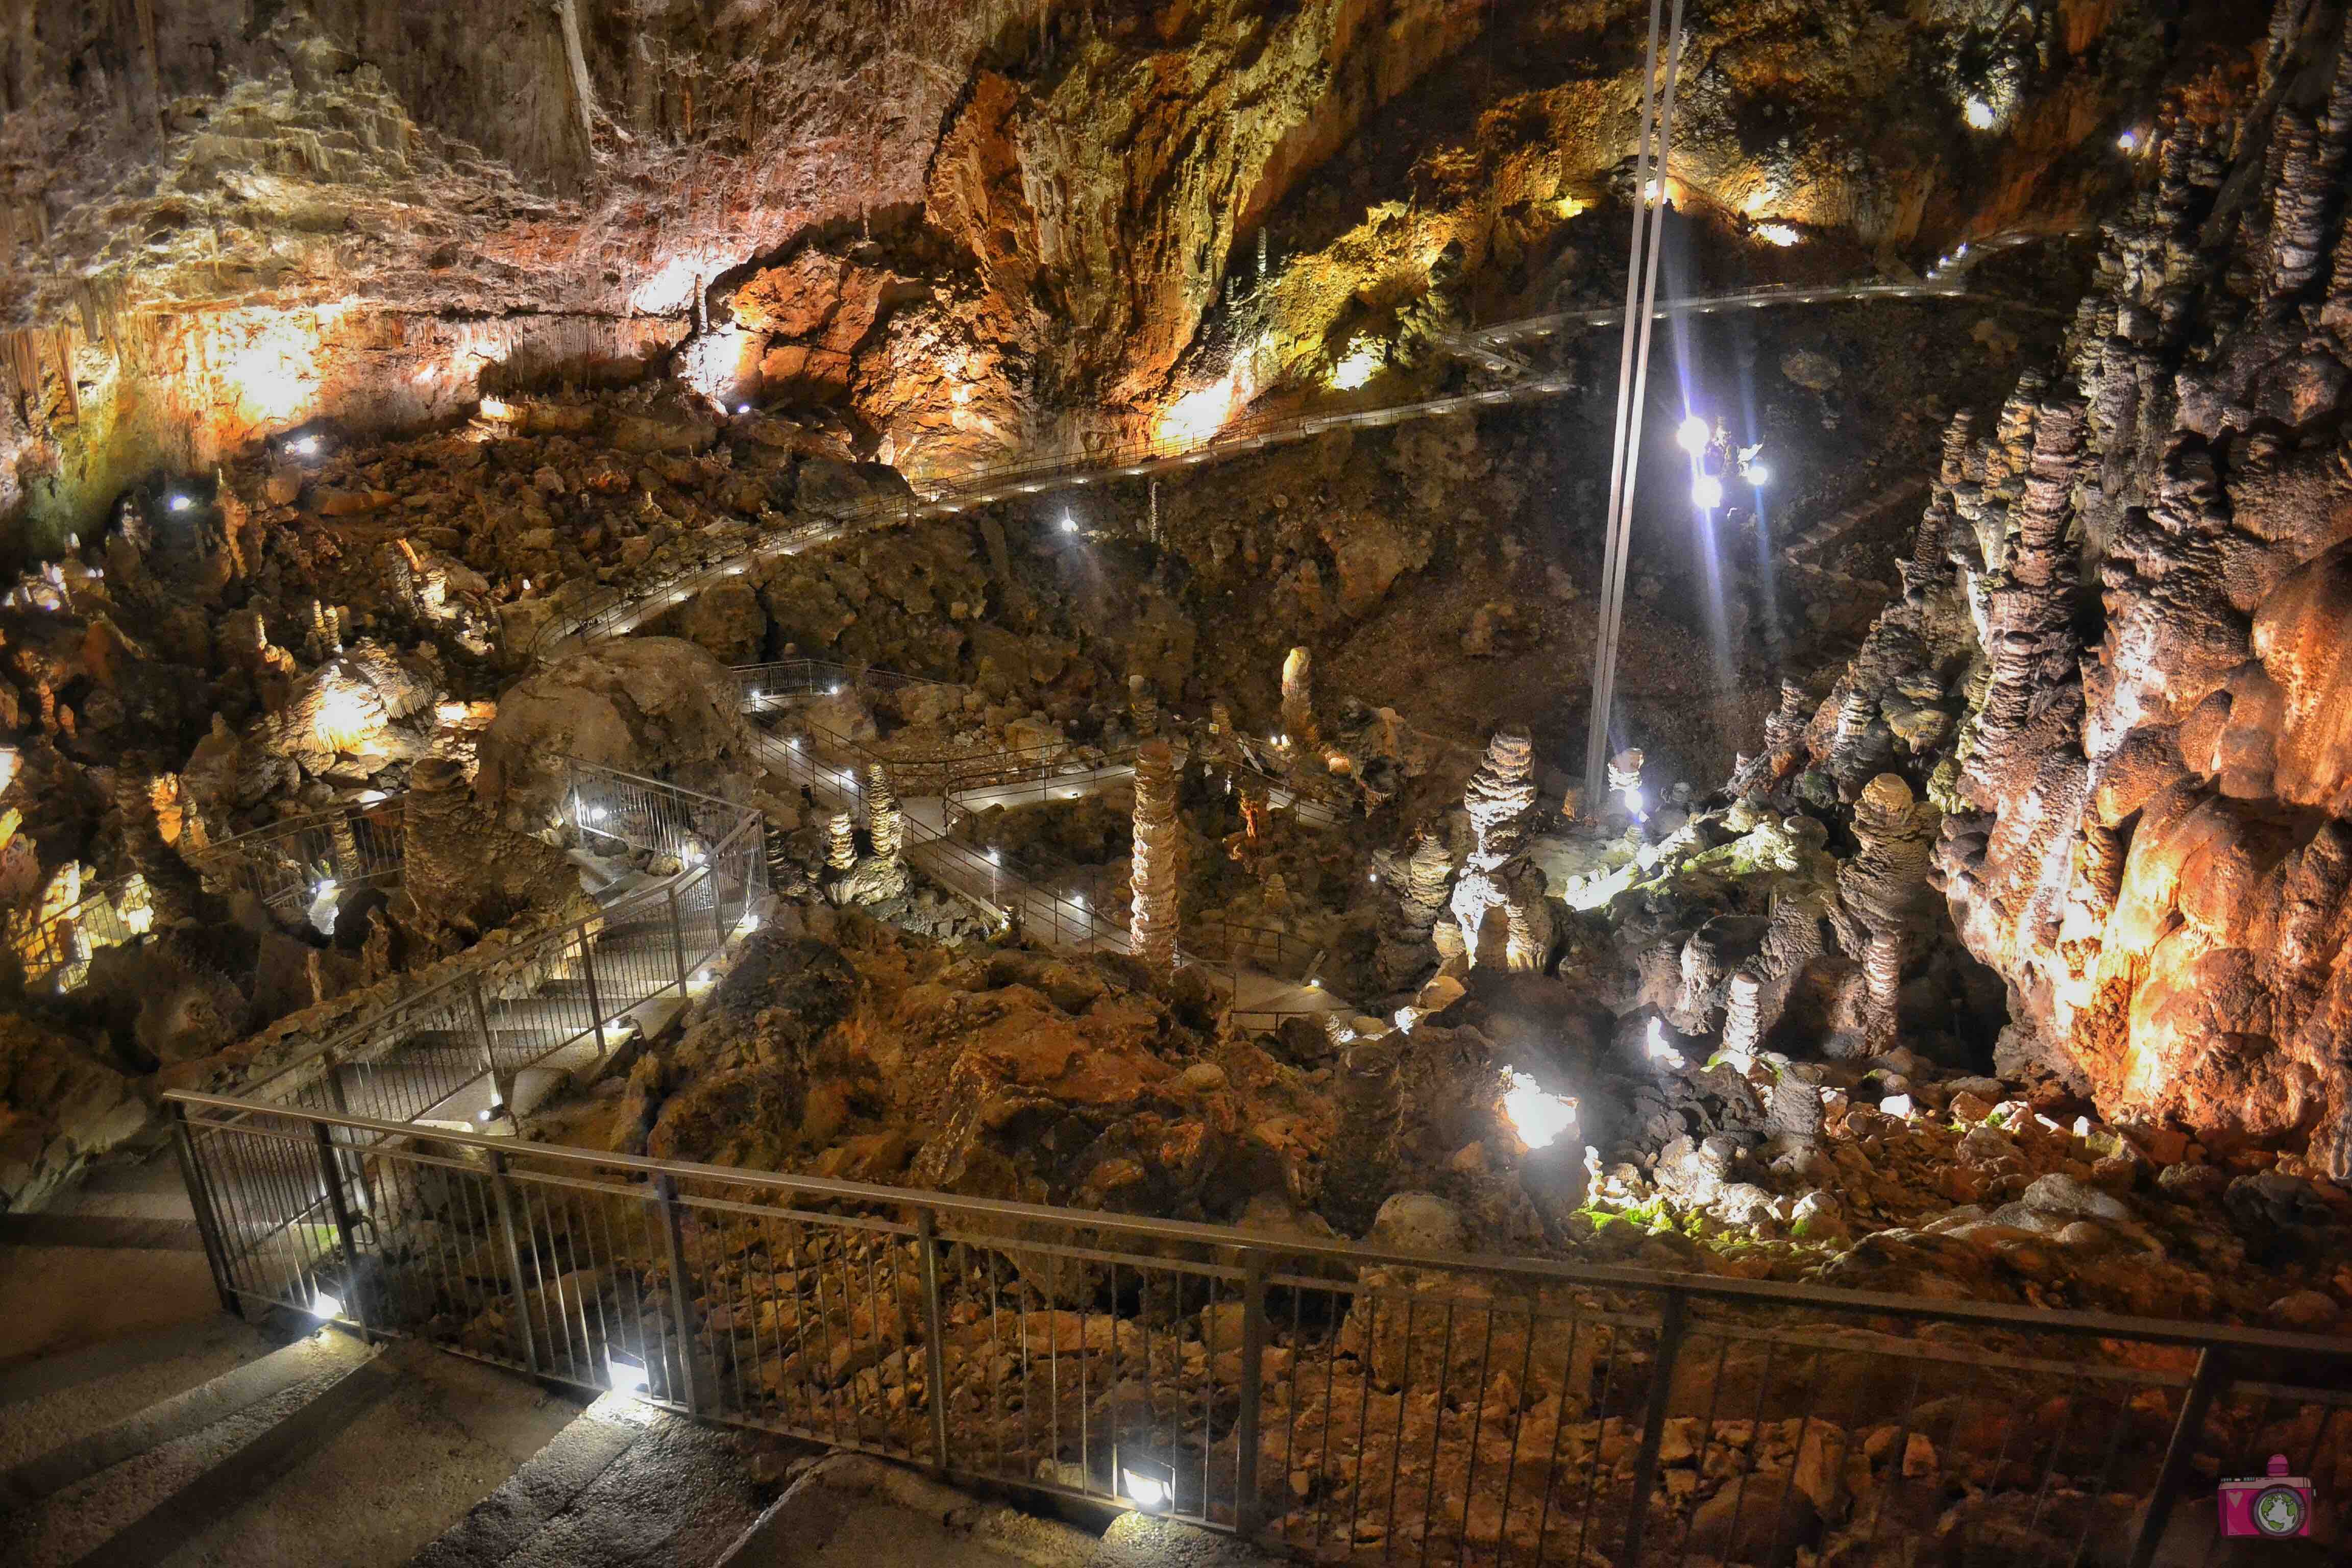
(69, 1505)
(58, 1400)
(373, 1476)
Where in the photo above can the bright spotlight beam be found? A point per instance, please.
(1693, 434)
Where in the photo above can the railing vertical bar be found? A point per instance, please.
(330, 1171)
(681, 1298)
(502, 1190)
(935, 1356)
(1654, 1421)
(2211, 1372)
(1255, 1266)
(208, 1225)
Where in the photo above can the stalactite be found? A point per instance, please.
(841, 842)
(885, 824)
(1155, 872)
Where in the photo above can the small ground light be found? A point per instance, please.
(1693, 434)
(1977, 114)
(1758, 474)
(324, 1306)
(742, 408)
(306, 446)
(626, 1373)
(1069, 523)
(1706, 490)
(1148, 1483)
(2128, 141)
(179, 503)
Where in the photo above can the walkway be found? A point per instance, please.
(1051, 903)
(618, 611)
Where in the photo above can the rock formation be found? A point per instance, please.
(885, 823)
(1415, 883)
(1157, 870)
(1299, 725)
(1497, 877)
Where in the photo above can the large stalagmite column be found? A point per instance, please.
(884, 822)
(1298, 703)
(841, 850)
(1154, 871)
(1143, 707)
(1500, 800)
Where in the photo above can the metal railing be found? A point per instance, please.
(1339, 1401)
(284, 864)
(456, 1048)
(55, 952)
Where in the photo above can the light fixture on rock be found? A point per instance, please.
(1706, 492)
(1978, 114)
(1538, 1117)
(325, 1305)
(179, 502)
(626, 1373)
(1694, 435)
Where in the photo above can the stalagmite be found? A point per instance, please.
(885, 823)
(1500, 801)
(1143, 706)
(1625, 779)
(841, 850)
(1299, 704)
(1416, 883)
(1879, 893)
(1784, 746)
(1155, 872)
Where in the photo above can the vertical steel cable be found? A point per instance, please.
(1632, 378)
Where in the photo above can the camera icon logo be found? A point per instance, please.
(2274, 1506)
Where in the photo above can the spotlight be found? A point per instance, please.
(305, 447)
(1149, 1483)
(179, 502)
(1758, 474)
(1707, 492)
(2128, 141)
(1069, 523)
(742, 408)
(1693, 436)
(1778, 234)
(1977, 114)
(1634, 800)
(626, 1373)
(1536, 1117)
(324, 1306)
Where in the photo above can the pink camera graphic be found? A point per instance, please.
(2272, 1506)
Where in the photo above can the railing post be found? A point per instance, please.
(482, 1026)
(1255, 1268)
(678, 940)
(681, 1301)
(596, 997)
(330, 1171)
(2209, 1376)
(1654, 1423)
(502, 1189)
(200, 1200)
(935, 1368)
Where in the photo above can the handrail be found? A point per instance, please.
(1768, 1292)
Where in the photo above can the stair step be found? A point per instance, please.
(48, 1402)
(386, 1474)
(543, 1488)
(681, 1493)
(67, 1526)
(192, 1410)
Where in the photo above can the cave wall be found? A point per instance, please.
(1044, 218)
